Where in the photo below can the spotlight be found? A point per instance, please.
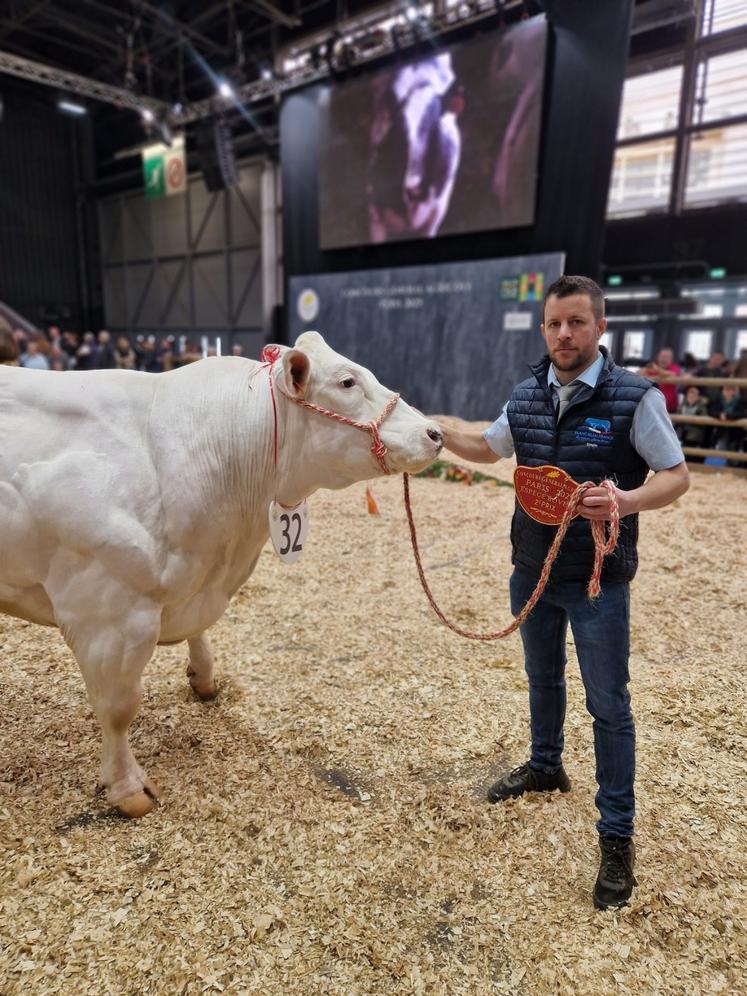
(266, 73)
(411, 13)
(225, 90)
(177, 109)
(69, 107)
(147, 115)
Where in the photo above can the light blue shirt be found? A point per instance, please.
(652, 434)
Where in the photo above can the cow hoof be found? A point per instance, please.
(139, 803)
(205, 692)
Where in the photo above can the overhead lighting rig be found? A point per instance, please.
(388, 29)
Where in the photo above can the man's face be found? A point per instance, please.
(571, 332)
(692, 395)
(715, 360)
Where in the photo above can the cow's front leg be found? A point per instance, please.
(112, 660)
(200, 667)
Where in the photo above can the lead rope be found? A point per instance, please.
(602, 547)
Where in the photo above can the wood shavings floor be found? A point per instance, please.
(324, 829)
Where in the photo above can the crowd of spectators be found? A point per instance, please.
(727, 403)
(64, 350)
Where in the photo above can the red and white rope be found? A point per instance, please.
(603, 546)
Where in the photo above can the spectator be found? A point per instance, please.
(105, 358)
(715, 366)
(730, 408)
(33, 358)
(58, 358)
(237, 349)
(664, 366)
(167, 353)
(691, 434)
(124, 354)
(151, 360)
(70, 344)
(740, 370)
(9, 352)
(87, 357)
(688, 364)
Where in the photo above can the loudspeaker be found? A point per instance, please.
(216, 155)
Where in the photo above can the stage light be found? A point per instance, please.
(411, 13)
(147, 115)
(69, 107)
(266, 73)
(225, 90)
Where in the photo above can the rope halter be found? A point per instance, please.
(270, 354)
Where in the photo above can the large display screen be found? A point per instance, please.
(443, 143)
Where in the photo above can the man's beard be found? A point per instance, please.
(569, 361)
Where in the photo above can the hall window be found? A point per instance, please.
(650, 103)
(720, 15)
(717, 166)
(634, 345)
(698, 343)
(641, 177)
(721, 87)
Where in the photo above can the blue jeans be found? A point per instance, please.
(601, 633)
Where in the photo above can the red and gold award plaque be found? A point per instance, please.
(543, 492)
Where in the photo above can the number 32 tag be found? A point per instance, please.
(289, 528)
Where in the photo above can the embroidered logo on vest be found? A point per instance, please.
(595, 432)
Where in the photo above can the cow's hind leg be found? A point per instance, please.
(200, 667)
(112, 659)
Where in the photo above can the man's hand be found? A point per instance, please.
(596, 503)
(468, 445)
(661, 489)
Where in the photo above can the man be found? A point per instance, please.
(555, 417)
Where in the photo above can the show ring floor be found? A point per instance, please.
(324, 827)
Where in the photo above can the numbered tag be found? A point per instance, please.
(289, 528)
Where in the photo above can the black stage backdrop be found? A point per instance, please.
(452, 338)
(587, 53)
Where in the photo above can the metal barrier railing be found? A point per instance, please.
(734, 456)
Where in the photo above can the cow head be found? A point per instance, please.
(340, 454)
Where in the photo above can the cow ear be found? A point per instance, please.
(296, 369)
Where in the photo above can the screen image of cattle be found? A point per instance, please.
(445, 143)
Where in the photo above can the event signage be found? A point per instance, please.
(544, 492)
(451, 338)
(165, 169)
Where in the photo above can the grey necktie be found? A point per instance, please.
(565, 392)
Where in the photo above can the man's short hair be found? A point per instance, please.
(566, 286)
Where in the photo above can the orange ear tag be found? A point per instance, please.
(543, 492)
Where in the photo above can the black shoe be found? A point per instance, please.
(525, 779)
(615, 880)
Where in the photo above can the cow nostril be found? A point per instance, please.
(435, 435)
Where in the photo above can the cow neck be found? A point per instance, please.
(269, 356)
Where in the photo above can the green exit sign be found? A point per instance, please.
(614, 280)
(717, 273)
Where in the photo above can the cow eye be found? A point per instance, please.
(347, 383)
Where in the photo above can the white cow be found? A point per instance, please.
(133, 506)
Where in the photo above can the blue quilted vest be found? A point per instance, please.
(590, 442)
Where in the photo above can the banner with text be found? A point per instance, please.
(452, 338)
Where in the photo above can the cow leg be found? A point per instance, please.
(112, 659)
(200, 667)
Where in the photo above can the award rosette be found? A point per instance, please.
(543, 492)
